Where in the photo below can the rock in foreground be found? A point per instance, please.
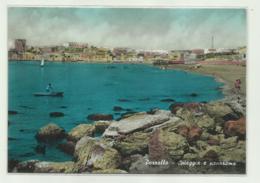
(153, 142)
(136, 143)
(79, 131)
(236, 128)
(137, 122)
(101, 126)
(92, 154)
(167, 145)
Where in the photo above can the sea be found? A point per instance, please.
(89, 89)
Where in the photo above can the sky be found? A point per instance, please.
(138, 28)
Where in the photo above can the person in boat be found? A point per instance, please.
(49, 88)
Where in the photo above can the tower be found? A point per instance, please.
(20, 45)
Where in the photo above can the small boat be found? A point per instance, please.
(48, 94)
(42, 62)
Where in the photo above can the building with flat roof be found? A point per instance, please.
(20, 45)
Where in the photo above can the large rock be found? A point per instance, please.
(126, 161)
(170, 125)
(236, 128)
(194, 133)
(239, 108)
(227, 143)
(211, 155)
(228, 150)
(185, 114)
(101, 126)
(183, 130)
(104, 157)
(220, 112)
(67, 147)
(205, 122)
(191, 117)
(237, 153)
(81, 130)
(165, 144)
(82, 152)
(138, 122)
(112, 130)
(157, 150)
(217, 109)
(92, 154)
(133, 144)
(98, 117)
(50, 132)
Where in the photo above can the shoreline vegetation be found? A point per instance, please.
(188, 138)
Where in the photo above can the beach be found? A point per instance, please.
(224, 73)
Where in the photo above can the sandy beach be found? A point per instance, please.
(224, 73)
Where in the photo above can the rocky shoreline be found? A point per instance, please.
(188, 138)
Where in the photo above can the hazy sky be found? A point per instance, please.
(137, 28)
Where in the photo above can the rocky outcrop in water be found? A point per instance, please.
(118, 108)
(98, 117)
(167, 100)
(155, 142)
(56, 114)
(50, 132)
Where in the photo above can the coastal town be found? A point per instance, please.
(78, 52)
(127, 90)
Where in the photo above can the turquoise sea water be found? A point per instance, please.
(90, 88)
